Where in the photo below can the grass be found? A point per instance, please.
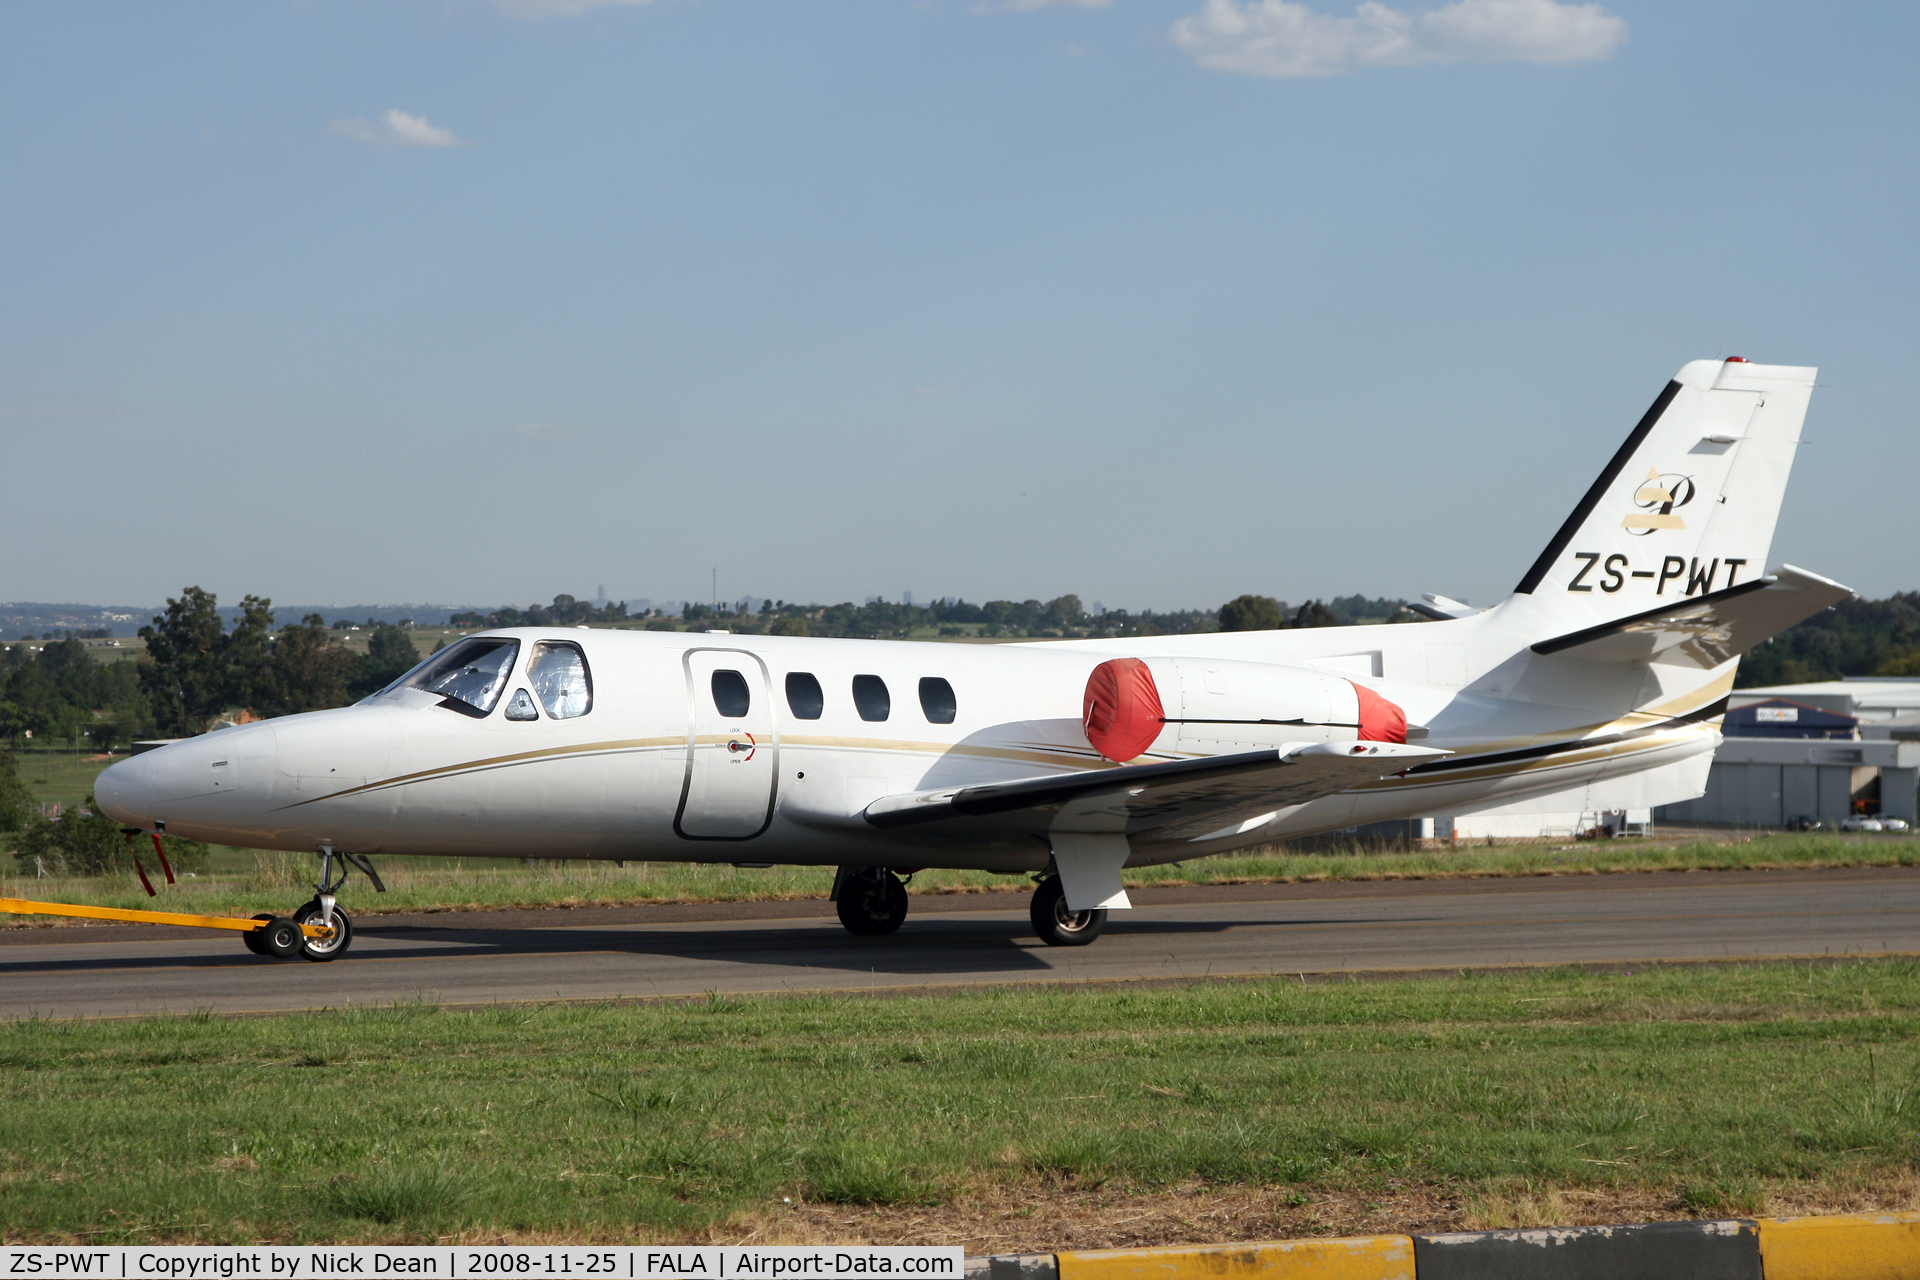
(1700, 1090)
(241, 880)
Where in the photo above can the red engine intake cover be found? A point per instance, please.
(1380, 720)
(1122, 712)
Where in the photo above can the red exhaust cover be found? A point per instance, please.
(1380, 720)
(1122, 712)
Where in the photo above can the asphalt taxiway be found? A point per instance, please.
(973, 940)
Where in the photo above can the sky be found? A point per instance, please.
(1156, 303)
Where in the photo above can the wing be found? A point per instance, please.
(1185, 799)
(1707, 630)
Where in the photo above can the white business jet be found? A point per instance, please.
(1598, 684)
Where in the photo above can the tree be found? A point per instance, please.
(307, 671)
(791, 625)
(1315, 614)
(1252, 613)
(1065, 612)
(13, 719)
(16, 802)
(390, 654)
(185, 674)
(1902, 664)
(246, 650)
(1853, 638)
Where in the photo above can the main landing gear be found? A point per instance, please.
(285, 938)
(872, 901)
(1057, 926)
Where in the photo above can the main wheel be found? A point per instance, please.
(256, 938)
(1057, 926)
(324, 948)
(872, 902)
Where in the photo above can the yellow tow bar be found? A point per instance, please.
(24, 907)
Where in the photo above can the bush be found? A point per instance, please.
(85, 842)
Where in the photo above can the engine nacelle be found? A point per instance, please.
(1204, 707)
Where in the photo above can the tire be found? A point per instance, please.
(872, 902)
(320, 949)
(281, 937)
(253, 938)
(1057, 926)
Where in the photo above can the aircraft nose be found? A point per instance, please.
(124, 791)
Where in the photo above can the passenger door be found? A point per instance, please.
(733, 757)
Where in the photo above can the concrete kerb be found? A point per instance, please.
(1727, 1250)
(1853, 1247)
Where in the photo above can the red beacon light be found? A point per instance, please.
(1738, 360)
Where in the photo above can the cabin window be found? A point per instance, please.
(469, 674)
(871, 698)
(730, 696)
(558, 672)
(804, 696)
(936, 699)
(520, 706)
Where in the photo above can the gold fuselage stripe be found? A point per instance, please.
(1071, 759)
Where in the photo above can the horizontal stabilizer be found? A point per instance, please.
(1440, 608)
(1177, 800)
(1706, 630)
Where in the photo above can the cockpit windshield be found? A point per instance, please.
(470, 674)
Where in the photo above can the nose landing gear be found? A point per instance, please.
(286, 938)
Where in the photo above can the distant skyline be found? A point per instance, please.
(1152, 301)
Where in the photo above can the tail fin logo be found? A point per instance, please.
(1655, 501)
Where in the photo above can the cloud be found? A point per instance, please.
(534, 10)
(395, 129)
(1285, 39)
(1033, 6)
(548, 431)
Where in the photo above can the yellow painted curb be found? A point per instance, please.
(1361, 1258)
(1866, 1246)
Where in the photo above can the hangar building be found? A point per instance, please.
(1823, 750)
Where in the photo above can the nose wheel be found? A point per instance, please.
(285, 938)
(323, 911)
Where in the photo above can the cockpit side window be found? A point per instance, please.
(558, 673)
(469, 674)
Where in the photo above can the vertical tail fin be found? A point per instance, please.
(1688, 504)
